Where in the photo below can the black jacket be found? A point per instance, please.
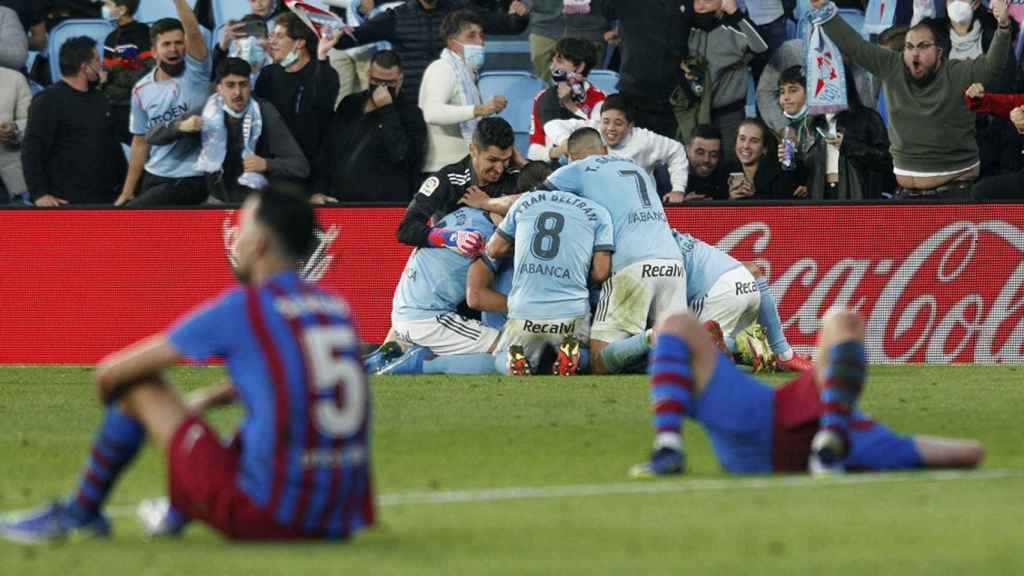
(439, 196)
(372, 157)
(415, 34)
(305, 100)
(865, 164)
(654, 41)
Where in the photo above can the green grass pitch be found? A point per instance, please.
(492, 475)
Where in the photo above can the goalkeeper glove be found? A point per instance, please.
(469, 243)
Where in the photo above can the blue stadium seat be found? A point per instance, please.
(519, 87)
(606, 81)
(152, 10)
(224, 10)
(93, 28)
(507, 47)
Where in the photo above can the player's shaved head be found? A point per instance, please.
(586, 142)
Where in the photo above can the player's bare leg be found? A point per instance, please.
(840, 370)
(768, 318)
(682, 364)
(615, 357)
(939, 452)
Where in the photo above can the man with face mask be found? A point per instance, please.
(932, 131)
(374, 148)
(246, 39)
(126, 58)
(179, 83)
(70, 154)
(449, 96)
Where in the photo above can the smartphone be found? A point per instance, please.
(255, 28)
(736, 178)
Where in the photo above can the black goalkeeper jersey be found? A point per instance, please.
(439, 195)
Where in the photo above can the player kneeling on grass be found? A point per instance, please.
(424, 311)
(728, 297)
(561, 241)
(300, 464)
(811, 423)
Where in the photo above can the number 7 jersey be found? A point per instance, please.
(555, 236)
(631, 197)
(293, 356)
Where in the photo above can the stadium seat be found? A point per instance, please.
(519, 87)
(150, 11)
(606, 81)
(751, 108)
(507, 47)
(93, 28)
(224, 10)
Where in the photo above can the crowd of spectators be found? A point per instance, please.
(157, 114)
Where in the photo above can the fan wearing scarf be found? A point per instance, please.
(933, 132)
(245, 143)
(449, 96)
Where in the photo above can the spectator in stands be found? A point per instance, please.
(13, 41)
(1008, 186)
(246, 39)
(934, 151)
(126, 59)
(654, 43)
(844, 156)
(708, 178)
(721, 41)
(769, 17)
(756, 174)
(353, 64)
(571, 97)
(267, 10)
(302, 89)
(178, 84)
(481, 176)
(413, 31)
(32, 14)
(374, 151)
(552, 21)
(247, 145)
(623, 139)
(449, 96)
(70, 154)
(15, 98)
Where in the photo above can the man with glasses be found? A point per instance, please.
(374, 149)
(933, 146)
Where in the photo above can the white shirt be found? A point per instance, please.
(444, 108)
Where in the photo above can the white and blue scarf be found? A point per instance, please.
(215, 140)
(826, 79)
(467, 85)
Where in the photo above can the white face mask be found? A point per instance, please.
(250, 50)
(290, 59)
(960, 11)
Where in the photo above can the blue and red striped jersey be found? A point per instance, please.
(294, 357)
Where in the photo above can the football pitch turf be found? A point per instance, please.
(493, 475)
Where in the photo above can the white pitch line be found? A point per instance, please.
(661, 487)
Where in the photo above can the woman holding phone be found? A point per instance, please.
(756, 174)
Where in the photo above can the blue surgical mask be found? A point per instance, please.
(107, 13)
(227, 110)
(250, 50)
(290, 59)
(473, 55)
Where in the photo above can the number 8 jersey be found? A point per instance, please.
(293, 356)
(641, 228)
(555, 236)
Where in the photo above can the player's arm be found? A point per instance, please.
(479, 294)
(216, 396)
(195, 44)
(600, 267)
(138, 363)
(499, 245)
(136, 164)
(477, 198)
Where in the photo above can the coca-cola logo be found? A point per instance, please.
(312, 269)
(954, 297)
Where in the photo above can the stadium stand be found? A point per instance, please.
(606, 80)
(519, 86)
(150, 12)
(224, 10)
(96, 29)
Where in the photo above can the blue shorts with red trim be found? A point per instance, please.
(201, 477)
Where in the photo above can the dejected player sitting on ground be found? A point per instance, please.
(812, 422)
(648, 278)
(562, 243)
(300, 465)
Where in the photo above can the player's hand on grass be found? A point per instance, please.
(50, 201)
(469, 243)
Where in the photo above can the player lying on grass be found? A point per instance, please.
(300, 464)
(811, 423)
(724, 292)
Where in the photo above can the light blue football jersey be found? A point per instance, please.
(555, 234)
(158, 103)
(434, 279)
(704, 265)
(502, 283)
(631, 197)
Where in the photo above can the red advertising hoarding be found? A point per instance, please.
(936, 283)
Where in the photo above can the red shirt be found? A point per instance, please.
(546, 107)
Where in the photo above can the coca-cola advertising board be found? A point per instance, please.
(935, 283)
